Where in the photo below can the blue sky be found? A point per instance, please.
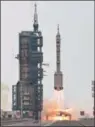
(76, 20)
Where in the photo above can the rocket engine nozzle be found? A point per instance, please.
(58, 88)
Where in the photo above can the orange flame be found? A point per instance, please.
(52, 106)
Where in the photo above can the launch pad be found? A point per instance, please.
(58, 115)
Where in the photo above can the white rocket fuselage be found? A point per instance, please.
(58, 76)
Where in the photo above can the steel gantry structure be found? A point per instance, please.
(27, 94)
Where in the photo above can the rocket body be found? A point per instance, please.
(58, 76)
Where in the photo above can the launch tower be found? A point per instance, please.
(27, 95)
(58, 76)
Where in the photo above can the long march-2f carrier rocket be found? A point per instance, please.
(58, 76)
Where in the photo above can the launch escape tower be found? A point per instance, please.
(58, 76)
(31, 72)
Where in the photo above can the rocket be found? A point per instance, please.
(58, 76)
